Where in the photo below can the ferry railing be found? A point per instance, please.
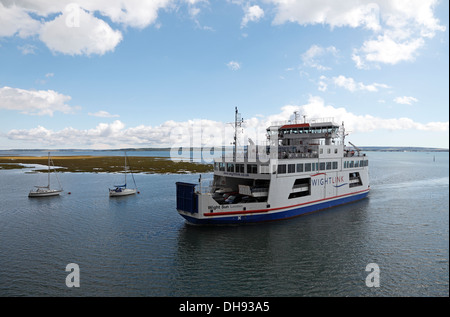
(288, 155)
(313, 120)
(266, 157)
(241, 156)
(353, 154)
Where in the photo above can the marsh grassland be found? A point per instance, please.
(107, 164)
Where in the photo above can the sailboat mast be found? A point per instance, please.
(125, 168)
(48, 163)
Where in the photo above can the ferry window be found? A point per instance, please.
(351, 164)
(282, 169)
(321, 151)
(230, 167)
(315, 166)
(328, 165)
(299, 168)
(335, 165)
(335, 151)
(307, 167)
(216, 166)
(240, 168)
(291, 168)
(252, 168)
(322, 166)
(222, 167)
(328, 151)
(356, 163)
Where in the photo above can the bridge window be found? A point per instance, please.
(307, 167)
(291, 168)
(282, 169)
(240, 168)
(252, 168)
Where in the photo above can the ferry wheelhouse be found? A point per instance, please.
(306, 167)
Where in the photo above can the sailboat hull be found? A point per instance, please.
(44, 193)
(122, 192)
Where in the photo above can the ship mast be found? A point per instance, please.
(237, 124)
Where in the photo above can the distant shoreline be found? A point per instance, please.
(107, 164)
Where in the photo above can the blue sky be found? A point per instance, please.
(112, 74)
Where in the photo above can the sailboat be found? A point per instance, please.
(122, 190)
(45, 191)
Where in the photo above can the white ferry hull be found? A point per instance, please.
(281, 213)
(325, 190)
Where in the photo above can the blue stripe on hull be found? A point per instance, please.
(276, 215)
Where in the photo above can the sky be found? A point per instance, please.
(109, 74)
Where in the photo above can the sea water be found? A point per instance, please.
(139, 245)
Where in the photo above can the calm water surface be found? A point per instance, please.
(140, 246)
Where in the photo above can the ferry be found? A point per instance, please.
(304, 167)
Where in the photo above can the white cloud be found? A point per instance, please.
(388, 50)
(316, 108)
(92, 36)
(213, 133)
(27, 49)
(399, 27)
(351, 85)
(312, 56)
(351, 13)
(34, 102)
(75, 30)
(15, 20)
(252, 14)
(233, 65)
(405, 100)
(194, 13)
(322, 84)
(103, 114)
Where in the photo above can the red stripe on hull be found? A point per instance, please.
(242, 212)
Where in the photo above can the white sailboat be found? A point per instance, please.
(45, 191)
(122, 190)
